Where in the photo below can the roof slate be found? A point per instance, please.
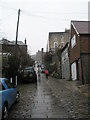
(82, 27)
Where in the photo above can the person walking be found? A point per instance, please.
(46, 73)
(39, 74)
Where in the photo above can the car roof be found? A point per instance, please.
(2, 79)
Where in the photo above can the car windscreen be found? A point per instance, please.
(9, 85)
(1, 86)
(28, 70)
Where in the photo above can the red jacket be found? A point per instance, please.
(46, 71)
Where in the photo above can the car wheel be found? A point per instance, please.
(18, 97)
(5, 113)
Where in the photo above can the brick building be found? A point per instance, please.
(56, 42)
(79, 51)
(9, 47)
(57, 39)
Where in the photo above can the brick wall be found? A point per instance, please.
(85, 43)
(75, 51)
(85, 68)
(85, 55)
(89, 69)
(79, 70)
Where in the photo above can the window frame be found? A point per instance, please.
(73, 41)
(55, 45)
(9, 85)
(3, 88)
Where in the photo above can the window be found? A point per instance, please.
(73, 41)
(1, 87)
(9, 85)
(55, 44)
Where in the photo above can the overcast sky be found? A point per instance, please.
(38, 18)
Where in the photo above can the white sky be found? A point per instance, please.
(38, 18)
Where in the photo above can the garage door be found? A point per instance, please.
(74, 71)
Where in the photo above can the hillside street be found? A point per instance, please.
(51, 98)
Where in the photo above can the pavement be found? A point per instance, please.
(73, 96)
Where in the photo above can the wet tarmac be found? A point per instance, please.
(37, 101)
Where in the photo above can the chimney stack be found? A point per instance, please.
(42, 50)
(25, 40)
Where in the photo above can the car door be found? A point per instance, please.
(0, 100)
(11, 92)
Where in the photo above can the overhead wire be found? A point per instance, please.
(8, 7)
(7, 16)
(33, 15)
(49, 18)
(38, 15)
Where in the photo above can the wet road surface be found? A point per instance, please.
(37, 101)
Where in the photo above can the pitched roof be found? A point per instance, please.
(18, 42)
(81, 27)
(5, 41)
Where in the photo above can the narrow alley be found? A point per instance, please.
(37, 101)
(50, 98)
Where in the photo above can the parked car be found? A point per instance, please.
(29, 75)
(9, 95)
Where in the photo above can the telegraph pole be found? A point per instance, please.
(17, 25)
(16, 46)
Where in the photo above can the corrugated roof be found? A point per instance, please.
(82, 27)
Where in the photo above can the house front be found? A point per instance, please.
(79, 52)
(57, 40)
